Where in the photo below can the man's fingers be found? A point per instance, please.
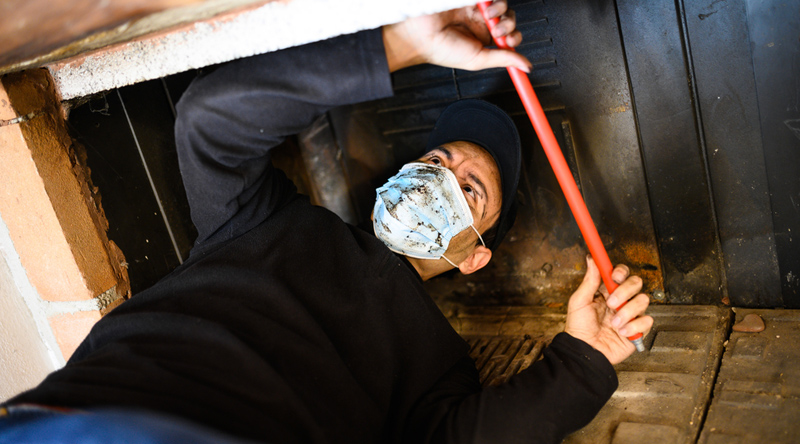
(635, 307)
(642, 325)
(507, 28)
(506, 25)
(514, 39)
(620, 273)
(497, 8)
(626, 290)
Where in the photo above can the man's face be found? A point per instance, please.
(479, 178)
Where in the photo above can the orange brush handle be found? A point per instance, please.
(558, 163)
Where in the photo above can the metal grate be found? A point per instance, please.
(500, 358)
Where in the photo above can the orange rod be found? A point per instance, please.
(559, 164)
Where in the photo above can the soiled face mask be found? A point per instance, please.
(419, 210)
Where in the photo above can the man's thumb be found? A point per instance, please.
(501, 58)
(588, 288)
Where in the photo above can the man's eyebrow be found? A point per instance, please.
(482, 187)
(444, 151)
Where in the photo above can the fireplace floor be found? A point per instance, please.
(697, 382)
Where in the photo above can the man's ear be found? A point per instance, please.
(478, 259)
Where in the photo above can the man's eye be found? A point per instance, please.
(435, 160)
(468, 189)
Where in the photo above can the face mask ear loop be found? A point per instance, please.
(449, 261)
(479, 235)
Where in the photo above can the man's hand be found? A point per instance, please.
(454, 39)
(591, 314)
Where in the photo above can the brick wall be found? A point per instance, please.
(54, 220)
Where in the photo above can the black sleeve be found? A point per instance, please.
(230, 118)
(555, 396)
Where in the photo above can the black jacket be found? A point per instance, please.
(289, 326)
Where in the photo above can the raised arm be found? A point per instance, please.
(230, 118)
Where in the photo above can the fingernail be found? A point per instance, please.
(612, 302)
(623, 331)
(616, 322)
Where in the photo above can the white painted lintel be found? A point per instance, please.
(273, 26)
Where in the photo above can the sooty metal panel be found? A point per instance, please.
(673, 156)
(775, 43)
(720, 46)
(596, 95)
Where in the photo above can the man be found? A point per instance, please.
(287, 325)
